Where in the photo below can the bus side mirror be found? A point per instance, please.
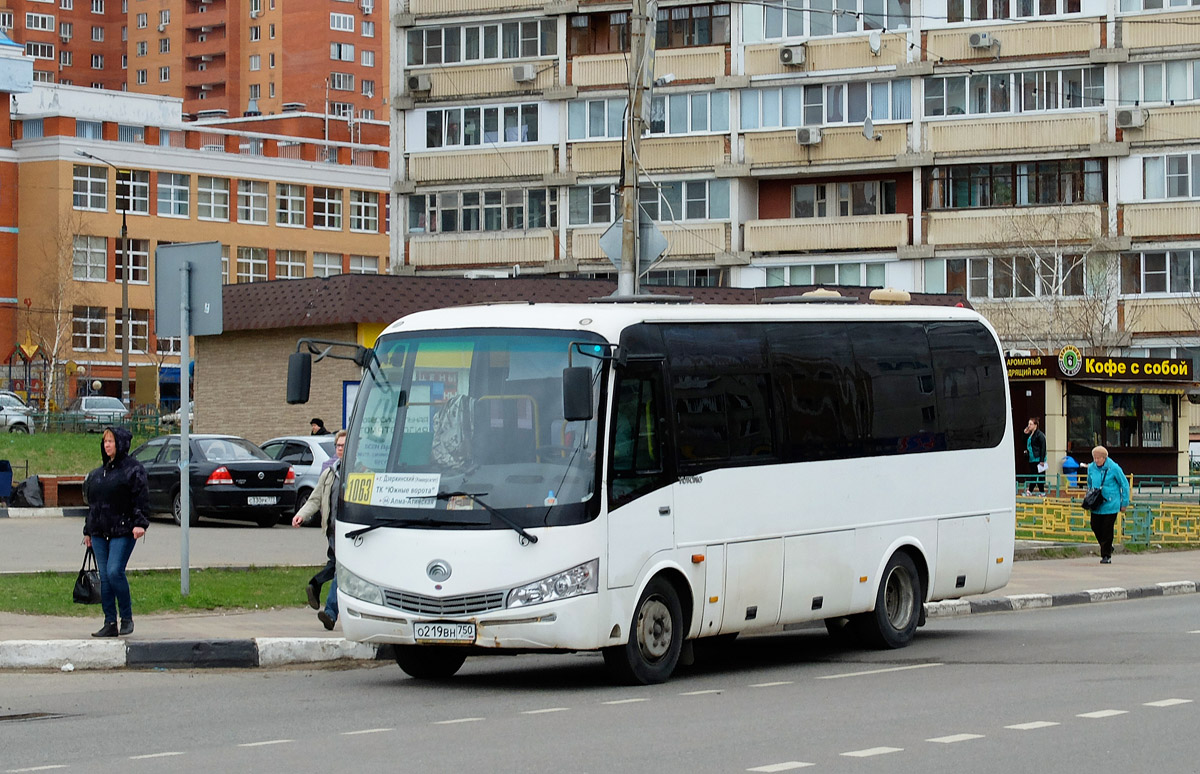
(299, 377)
(577, 393)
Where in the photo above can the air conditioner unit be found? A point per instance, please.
(808, 135)
(791, 55)
(162, 28)
(524, 73)
(255, 14)
(1131, 118)
(367, 8)
(980, 40)
(419, 83)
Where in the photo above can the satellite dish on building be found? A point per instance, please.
(875, 41)
(868, 130)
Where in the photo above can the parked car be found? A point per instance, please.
(306, 454)
(14, 414)
(230, 478)
(96, 412)
(172, 418)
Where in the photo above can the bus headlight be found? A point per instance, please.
(574, 582)
(351, 584)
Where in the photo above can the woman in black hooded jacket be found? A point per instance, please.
(117, 508)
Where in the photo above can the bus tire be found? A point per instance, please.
(429, 662)
(898, 605)
(651, 653)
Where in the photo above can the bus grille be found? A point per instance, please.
(465, 605)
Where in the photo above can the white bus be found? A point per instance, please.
(632, 477)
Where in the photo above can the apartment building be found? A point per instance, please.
(1042, 157)
(281, 206)
(221, 57)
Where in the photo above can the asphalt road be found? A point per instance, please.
(1093, 688)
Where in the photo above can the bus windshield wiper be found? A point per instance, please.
(475, 498)
(385, 522)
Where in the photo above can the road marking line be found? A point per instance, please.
(878, 671)
(954, 738)
(1032, 726)
(786, 766)
(1197, 631)
(624, 701)
(772, 685)
(544, 711)
(1167, 702)
(268, 742)
(700, 693)
(367, 731)
(452, 722)
(872, 751)
(1103, 713)
(38, 768)
(154, 755)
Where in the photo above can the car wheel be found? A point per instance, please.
(898, 606)
(430, 662)
(266, 521)
(656, 634)
(176, 505)
(18, 429)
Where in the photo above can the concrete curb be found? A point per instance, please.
(956, 607)
(79, 512)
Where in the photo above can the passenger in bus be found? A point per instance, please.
(321, 501)
(1106, 475)
(1035, 449)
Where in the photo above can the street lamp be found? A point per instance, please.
(125, 332)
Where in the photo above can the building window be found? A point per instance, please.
(141, 48)
(142, 77)
(251, 264)
(1034, 91)
(692, 25)
(252, 201)
(1172, 272)
(139, 262)
(97, 6)
(139, 330)
(66, 59)
(364, 211)
(341, 52)
(368, 29)
(255, 33)
(126, 133)
(482, 42)
(326, 264)
(289, 264)
(675, 201)
(33, 129)
(458, 127)
(487, 210)
(167, 345)
(97, 34)
(90, 188)
(97, 61)
(6, 20)
(133, 191)
(861, 197)
(795, 18)
(327, 208)
(164, 74)
(39, 21)
(173, 195)
(871, 275)
(590, 204)
(164, 45)
(255, 62)
(90, 259)
(975, 10)
(1173, 176)
(341, 22)
(819, 105)
(364, 264)
(212, 198)
(368, 58)
(39, 50)
(368, 87)
(1120, 421)
(66, 31)
(289, 204)
(1025, 276)
(1012, 185)
(341, 81)
(89, 328)
(164, 16)
(341, 110)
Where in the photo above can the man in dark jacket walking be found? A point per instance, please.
(118, 505)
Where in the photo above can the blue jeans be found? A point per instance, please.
(112, 554)
(331, 605)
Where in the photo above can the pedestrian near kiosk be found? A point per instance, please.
(117, 517)
(1106, 475)
(321, 502)
(1035, 450)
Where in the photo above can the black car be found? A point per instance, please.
(231, 479)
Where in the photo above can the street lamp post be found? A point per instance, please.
(125, 332)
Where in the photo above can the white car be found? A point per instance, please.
(14, 414)
(307, 455)
(95, 412)
(172, 419)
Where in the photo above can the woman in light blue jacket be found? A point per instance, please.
(1107, 476)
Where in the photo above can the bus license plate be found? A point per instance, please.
(260, 501)
(461, 633)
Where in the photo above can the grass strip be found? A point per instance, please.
(157, 591)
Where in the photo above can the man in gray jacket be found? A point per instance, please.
(321, 502)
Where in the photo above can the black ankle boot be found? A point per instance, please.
(109, 630)
(126, 626)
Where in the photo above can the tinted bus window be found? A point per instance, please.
(898, 408)
(970, 384)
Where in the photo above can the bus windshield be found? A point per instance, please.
(453, 426)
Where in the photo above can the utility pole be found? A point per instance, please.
(627, 277)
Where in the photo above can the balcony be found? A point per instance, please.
(831, 54)
(1161, 315)
(1165, 126)
(686, 64)
(213, 77)
(1161, 32)
(984, 136)
(455, 7)
(1023, 39)
(1066, 224)
(485, 80)
(780, 149)
(213, 47)
(484, 248)
(795, 235)
(1161, 219)
(697, 239)
(657, 154)
(506, 162)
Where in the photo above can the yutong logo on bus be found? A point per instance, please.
(438, 570)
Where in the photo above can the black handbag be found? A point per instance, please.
(87, 583)
(1094, 497)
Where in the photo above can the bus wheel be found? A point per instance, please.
(429, 662)
(655, 638)
(897, 605)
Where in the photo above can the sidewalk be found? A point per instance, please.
(293, 635)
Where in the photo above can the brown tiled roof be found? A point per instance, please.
(365, 298)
